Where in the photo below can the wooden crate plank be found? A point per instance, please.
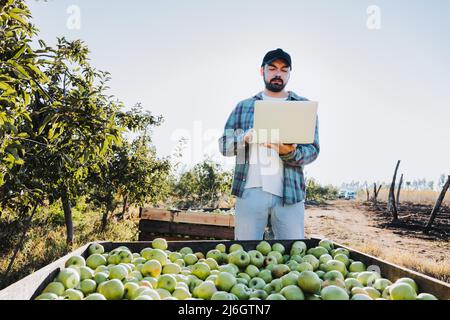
(206, 231)
(188, 217)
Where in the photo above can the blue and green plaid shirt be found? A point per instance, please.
(232, 144)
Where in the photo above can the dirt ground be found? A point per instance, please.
(354, 224)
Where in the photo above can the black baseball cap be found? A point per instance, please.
(277, 54)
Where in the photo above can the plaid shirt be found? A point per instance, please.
(232, 144)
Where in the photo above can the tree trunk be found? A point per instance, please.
(104, 219)
(67, 215)
(398, 191)
(368, 193)
(437, 205)
(392, 207)
(124, 208)
(375, 194)
(19, 245)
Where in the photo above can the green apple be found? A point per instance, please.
(243, 281)
(239, 258)
(311, 260)
(278, 247)
(136, 274)
(158, 254)
(277, 285)
(113, 258)
(333, 275)
(171, 268)
(173, 256)
(118, 272)
(214, 254)
(75, 261)
(168, 282)
(199, 255)
(317, 251)
(327, 244)
(145, 253)
(95, 260)
(221, 295)
(292, 292)
(144, 297)
(426, 296)
(351, 283)
(205, 290)
(190, 259)
(212, 263)
(372, 292)
(402, 291)
(409, 281)
(280, 270)
(221, 247)
(260, 294)
(304, 266)
(211, 277)
(55, 287)
(264, 247)
(151, 268)
(357, 266)
(340, 250)
(309, 282)
(256, 258)
(163, 293)
(69, 278)
(180, 262)
(297, 258)
(88, 286)
(201, 270)
(244, 275)
(336, 265)
(241, 291)
(181, 293)
(47, 296)
(86, 273)
(320, 273)
(96, 248)
(360, 296)
(324, 258)
(159, 243)
(289, 279)
(125, 256)
(252, 270)
(103, 269)
(381, 284)
(111, 289)
(73, 294)
(292, 264)
(266, 275)
(277, 256)
(270, 260)
(312, 297)
(225, 281)
(358, 290)
(334, 293)
(275, 296)
(236, 247)
(95, 296)
(342, 258)
(299, 245)
(100, 277)
(186, 250)
(367, 278)
(257, 283)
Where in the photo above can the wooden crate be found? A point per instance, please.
(181, 224)
(31, 286)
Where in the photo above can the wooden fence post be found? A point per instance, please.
(437, 205)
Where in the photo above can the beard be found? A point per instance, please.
(275, 86)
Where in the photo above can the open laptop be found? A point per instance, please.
(284, 121)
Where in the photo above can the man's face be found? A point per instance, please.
(276, 75)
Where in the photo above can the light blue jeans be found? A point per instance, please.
(252, 214)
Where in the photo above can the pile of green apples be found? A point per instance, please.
(270, 272)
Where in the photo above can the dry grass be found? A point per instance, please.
(414, 196)
(436, 269)
(46, 241)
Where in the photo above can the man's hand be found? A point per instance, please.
(248, 136)
(281, 148)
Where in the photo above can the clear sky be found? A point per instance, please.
(383, 93)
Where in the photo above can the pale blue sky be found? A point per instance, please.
(383, 94)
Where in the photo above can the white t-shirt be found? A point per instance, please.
(266, 167)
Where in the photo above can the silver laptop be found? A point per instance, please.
(285, 122)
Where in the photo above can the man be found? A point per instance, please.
(268, 179)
